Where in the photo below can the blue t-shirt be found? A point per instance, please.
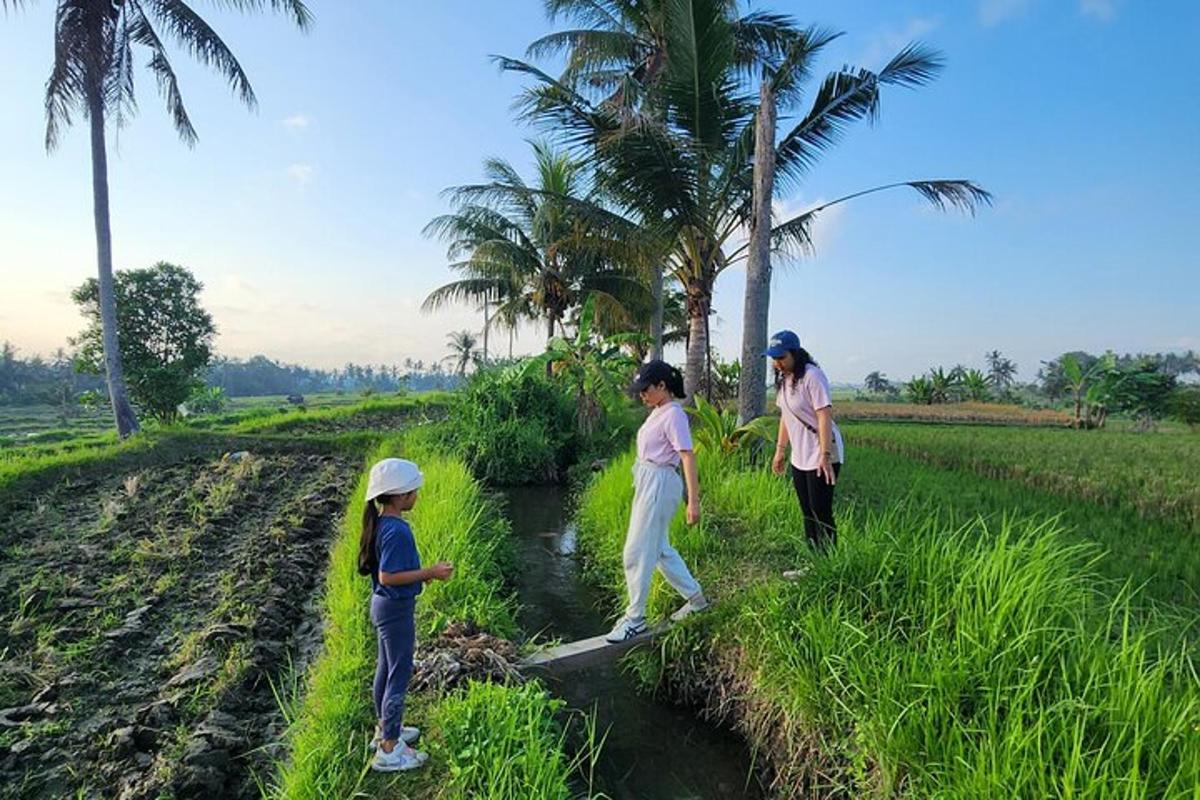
(397, 552)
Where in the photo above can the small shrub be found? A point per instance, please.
(1185, 405)
(513, 426)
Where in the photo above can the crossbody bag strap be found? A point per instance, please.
(791, 411)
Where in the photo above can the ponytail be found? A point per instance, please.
(674, 383)
(368, 562)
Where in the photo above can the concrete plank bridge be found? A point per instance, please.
(584, 653)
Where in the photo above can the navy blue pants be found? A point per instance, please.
(395, 629)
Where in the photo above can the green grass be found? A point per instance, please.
(1155, 474)
(1157, 555)
(332, 722)
(939, 652)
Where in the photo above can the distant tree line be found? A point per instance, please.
(260, 375)
(1144, 386)
(36, 380)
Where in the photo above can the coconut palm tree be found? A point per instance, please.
(689, 178)
(615, 57)
(1001, 370)
(463, 350)
(93, 76)
(535, 249)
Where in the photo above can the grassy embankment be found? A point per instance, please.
(491, 740)
(958, 643)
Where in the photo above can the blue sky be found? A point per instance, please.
(303, 219)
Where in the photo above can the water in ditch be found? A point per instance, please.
(653, 750)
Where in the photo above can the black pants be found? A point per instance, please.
(816, 501)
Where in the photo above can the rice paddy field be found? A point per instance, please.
(976, 633)
(1012, 611)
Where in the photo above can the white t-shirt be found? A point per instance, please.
(801, 401)
(664, 433)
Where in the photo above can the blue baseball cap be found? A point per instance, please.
(780, 343)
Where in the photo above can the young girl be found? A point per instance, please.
(663, 443)
(388, 553)
(806, 423)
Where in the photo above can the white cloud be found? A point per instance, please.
(300, 173)
(1103, 10)
(993, 12)
(886, 43)
(297, 121)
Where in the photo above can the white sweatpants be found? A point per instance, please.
(657, 492)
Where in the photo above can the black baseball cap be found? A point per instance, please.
(649, 374)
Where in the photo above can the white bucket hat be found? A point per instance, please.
(393, 476)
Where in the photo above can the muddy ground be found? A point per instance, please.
(148, 619)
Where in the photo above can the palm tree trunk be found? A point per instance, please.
(510, 343)
(486, 325)
(123, 414)
(752, 390)
(698, 300)
(656, 315)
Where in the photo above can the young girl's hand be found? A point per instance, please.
(779, 463)
(693, 513)
(441, 571)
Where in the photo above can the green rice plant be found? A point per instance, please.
(1156, 555)
(453, 521)
(1153, 473)
(937, 652)
(502, 741)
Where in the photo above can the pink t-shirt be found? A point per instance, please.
(801, 402)
(664, 433)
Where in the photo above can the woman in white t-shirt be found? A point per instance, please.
(664, 444)
(806, 424)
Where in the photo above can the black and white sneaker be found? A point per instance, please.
(626, 629)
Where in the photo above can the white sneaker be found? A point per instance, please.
(625, 630)
(408, 735)
(795, 574)
(697, 602)
(401, 758)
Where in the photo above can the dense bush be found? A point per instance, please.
(514, 426)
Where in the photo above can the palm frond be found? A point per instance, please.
(196, 36)
(847, 96)
(296, 9)
(462, 291)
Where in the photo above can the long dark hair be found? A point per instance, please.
(368, 560)
(800, 361)
(674, 383)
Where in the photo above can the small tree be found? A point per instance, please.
(1185, 405)
(878, 383)
(165, 335)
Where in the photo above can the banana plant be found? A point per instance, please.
(591, 367)
(943, 385)
(717, 431)
(975, 385)
(919, 390)
(1089, 387)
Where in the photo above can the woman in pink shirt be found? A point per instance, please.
(806, 423)
(664, 443)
